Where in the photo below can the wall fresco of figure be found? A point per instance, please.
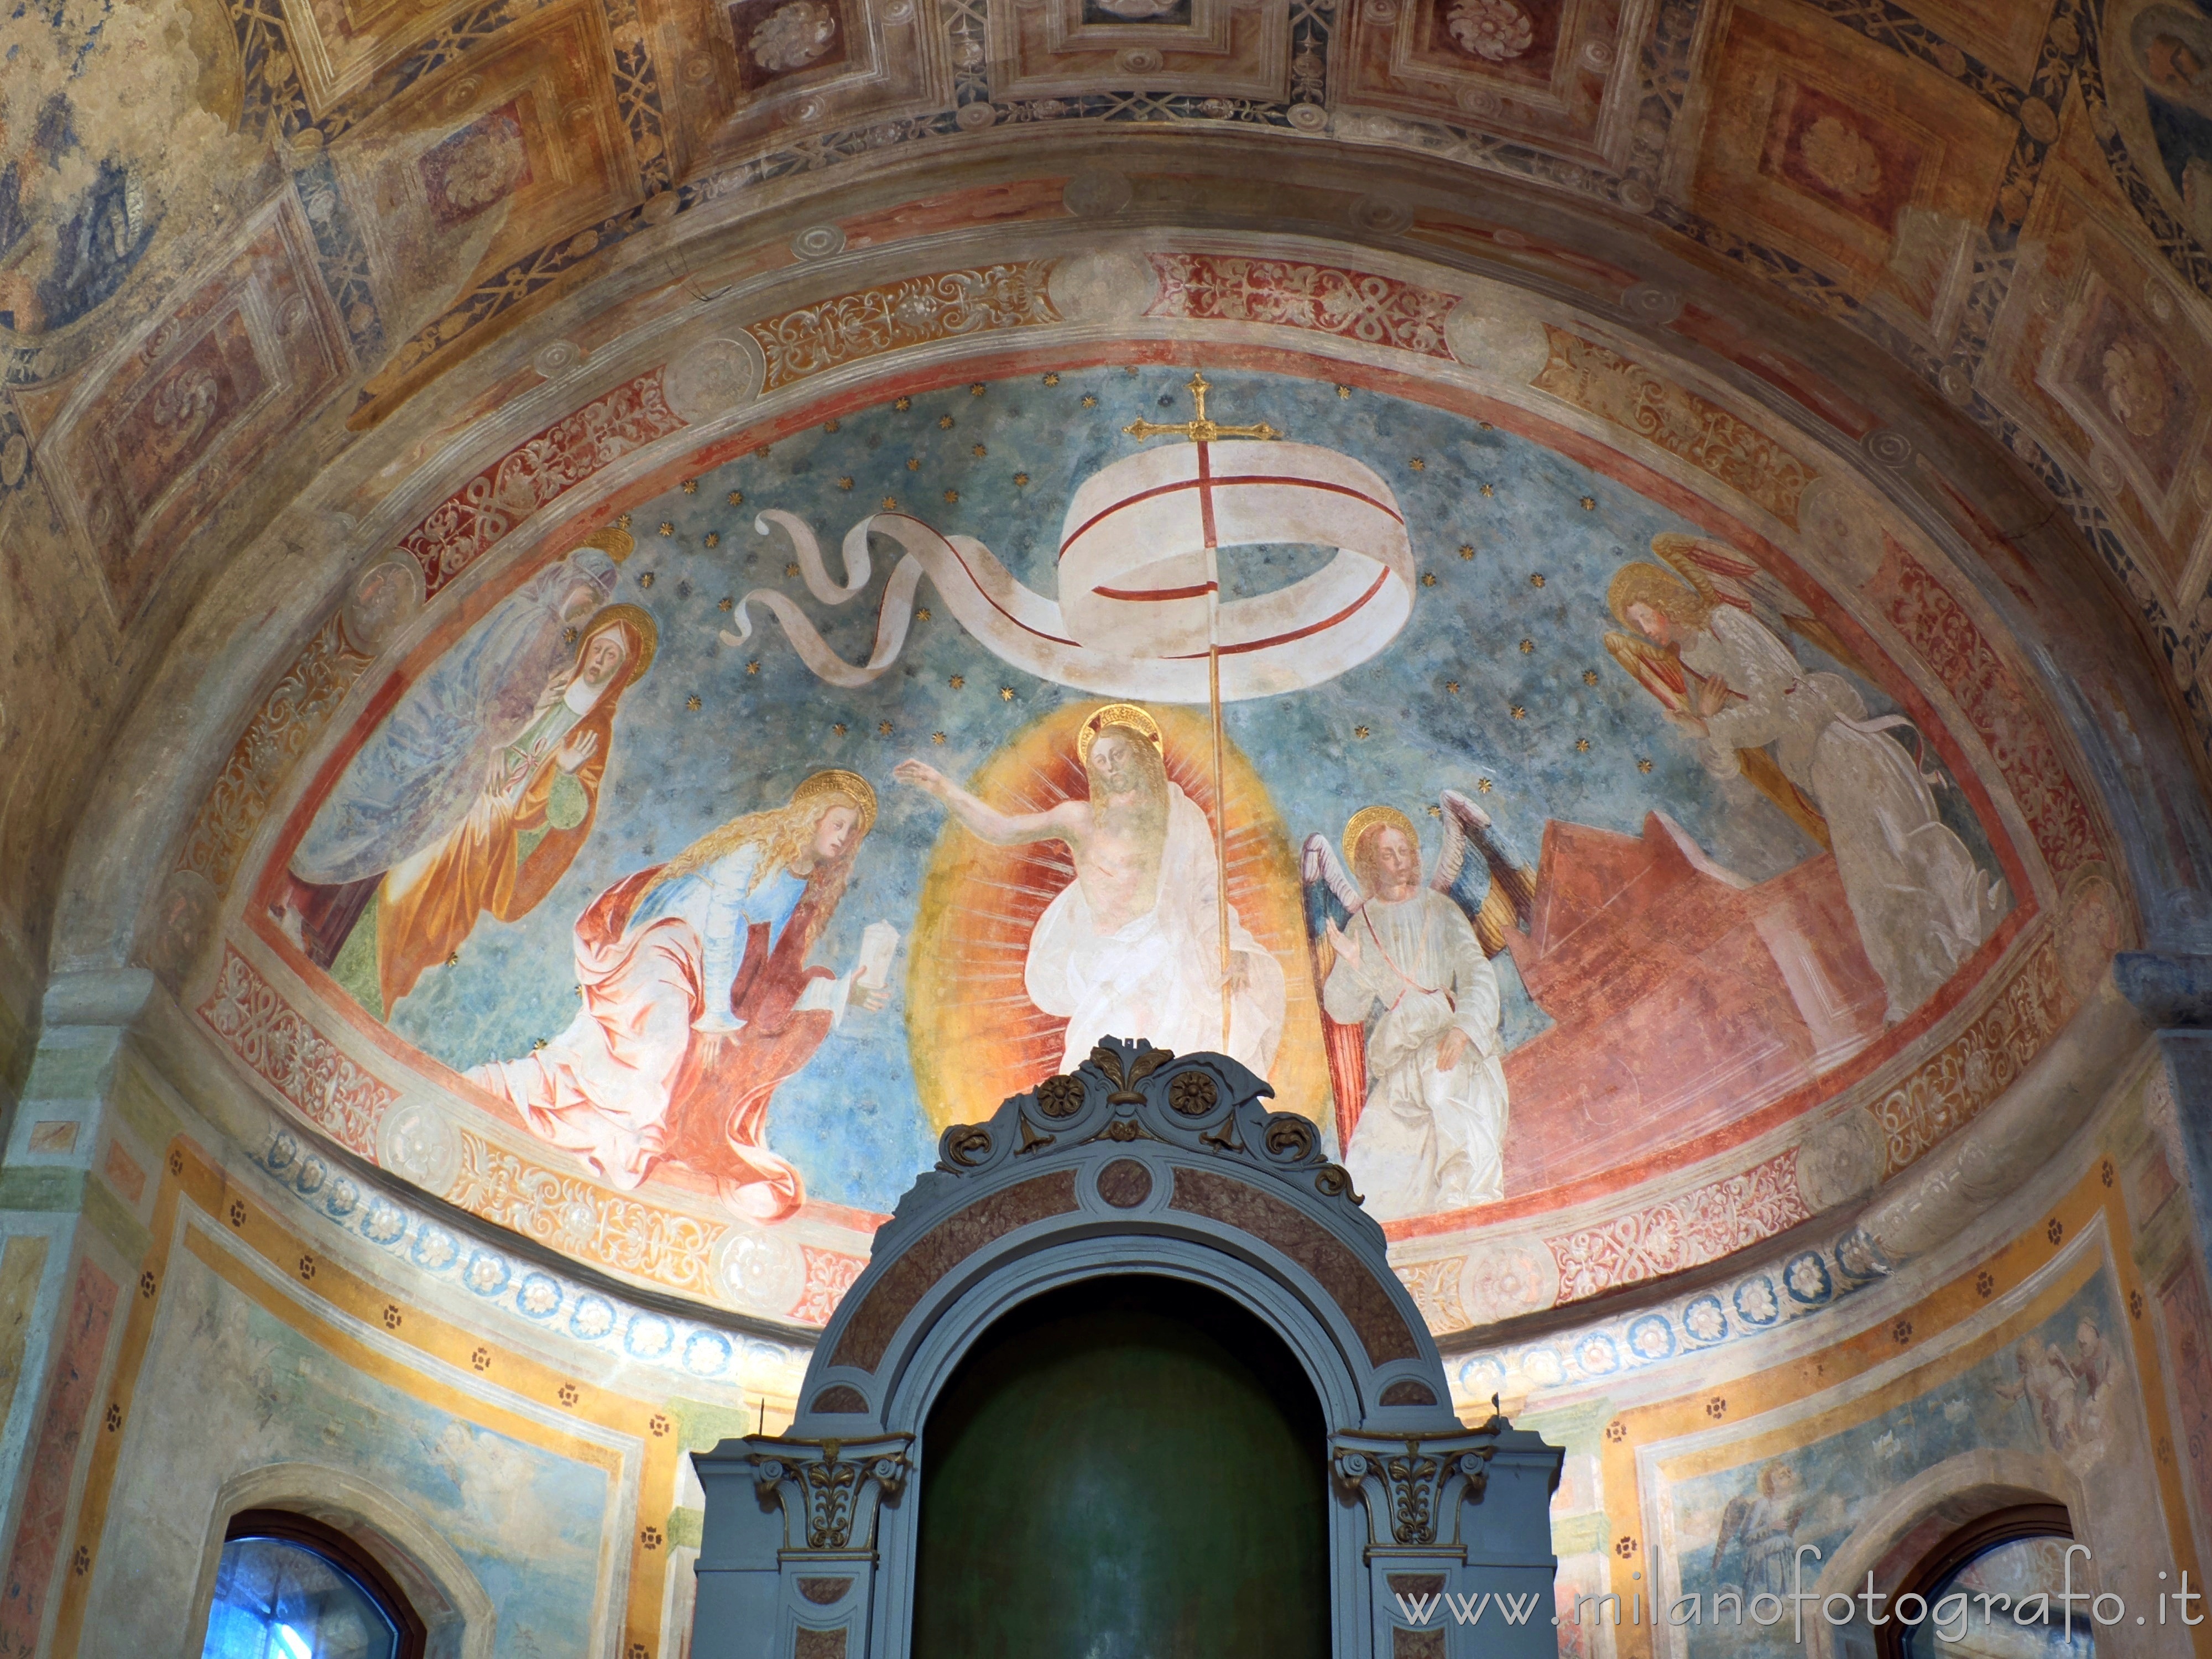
(1132, 943)
(2063, 1389)
(755, 925)
(476, 791)
(1728, 680)
(1412, 1004)
(698, 999)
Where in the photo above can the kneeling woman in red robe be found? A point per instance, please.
(698, 1002)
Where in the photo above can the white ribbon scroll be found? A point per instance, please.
(1134, 560)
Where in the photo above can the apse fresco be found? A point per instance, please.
(2065, 1390)
(1548, 828)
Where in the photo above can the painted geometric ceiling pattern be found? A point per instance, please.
(678, 889)
(1938, 180)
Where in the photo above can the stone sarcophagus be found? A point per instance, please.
(1140, 1167)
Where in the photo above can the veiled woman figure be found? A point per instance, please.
(698, 1002)
(1922, 904)
(423, 767)
(533, 812)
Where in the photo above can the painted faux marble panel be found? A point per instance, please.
(779, 38)
(1570, 832)
(81, 1344)
(2189, 1333)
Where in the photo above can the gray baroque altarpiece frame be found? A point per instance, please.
(1139, 1162)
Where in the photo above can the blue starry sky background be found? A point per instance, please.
(1001, 463)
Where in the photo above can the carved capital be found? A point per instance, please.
(1413, 1484)
(830, 1489)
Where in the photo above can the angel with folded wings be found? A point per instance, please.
(1708, 644)
(1410, 1002)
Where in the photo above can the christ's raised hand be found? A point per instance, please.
(923, 776)
(1000, 828)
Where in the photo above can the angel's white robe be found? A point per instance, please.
(1426, 1140)
(1922, 905)
(1159, 975)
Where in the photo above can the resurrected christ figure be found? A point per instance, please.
(1131, 947)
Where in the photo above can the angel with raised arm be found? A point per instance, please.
(1708, 645)
(1410, 1003)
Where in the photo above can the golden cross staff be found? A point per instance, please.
(1202, 431)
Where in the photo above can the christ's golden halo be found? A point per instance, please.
(1117, 713)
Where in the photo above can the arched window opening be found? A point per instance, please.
(289, 1587)
(1993, 1589)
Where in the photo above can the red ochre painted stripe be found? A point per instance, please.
(1296, 634)
(1321, 485)
(1036, 632)
(1198, 591)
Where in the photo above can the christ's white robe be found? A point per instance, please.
(1426, 1140)
(1159, 975)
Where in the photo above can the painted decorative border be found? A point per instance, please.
(536, 473)
(1685, 1231)
(829, 1274)
(290, 718)
(1765, 1299)
(1943, 635)
(286, 1049)
(1693, 429)
(586, 1219)
(1353, 305)
(869, 322)
(519, 1285)
(1949, 1089)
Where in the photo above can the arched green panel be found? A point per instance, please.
(1127, 1469)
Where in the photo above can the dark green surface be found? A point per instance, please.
(1126, 1469)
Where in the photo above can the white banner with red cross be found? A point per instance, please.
(1138, 571)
